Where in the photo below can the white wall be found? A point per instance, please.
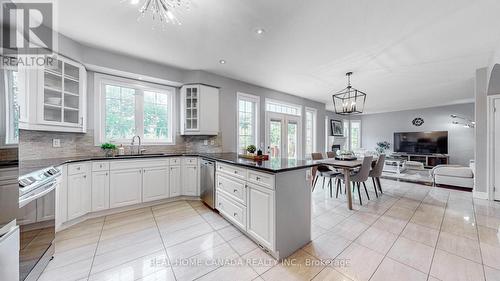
(382, 126)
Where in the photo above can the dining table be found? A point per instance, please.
(347, 166)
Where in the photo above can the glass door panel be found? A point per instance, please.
(275, 137)
(292, 140)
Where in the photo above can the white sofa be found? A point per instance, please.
(454, 175)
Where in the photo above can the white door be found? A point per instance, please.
(175, 181)
(284, 135)
(497, 149)
(125, 187)
(189, 181)
(155, 184)
(100, 191)
(260, 223)
(78, 196)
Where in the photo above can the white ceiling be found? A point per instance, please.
(404, 53)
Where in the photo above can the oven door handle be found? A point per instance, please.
(23, 201)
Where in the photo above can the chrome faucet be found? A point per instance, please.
(139, 151)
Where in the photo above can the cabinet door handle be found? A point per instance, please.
(235, 190)
(106, 174)
(84, 176)
(235, 214)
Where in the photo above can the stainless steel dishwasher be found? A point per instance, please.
(208, 182)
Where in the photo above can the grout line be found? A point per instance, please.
(478, 238)
(400, 233)
(352, 241)
(439, 235)
(96, 247)
(163, 243)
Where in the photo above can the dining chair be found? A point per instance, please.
(331, 154)
(324, 172)
(376, 173)
(358, 178)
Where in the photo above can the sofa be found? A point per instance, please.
(454, 175)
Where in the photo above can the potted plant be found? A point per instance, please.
(251, 149)
(382, 147)
(108, 148)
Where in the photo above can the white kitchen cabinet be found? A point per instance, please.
(78, 191)
(199, 110)
(155, 184)
(125, 187)
(190, 180)
(57, 97)
(260, 209)
(175, 181)
(100, 191)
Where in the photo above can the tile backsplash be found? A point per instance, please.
(35, 145)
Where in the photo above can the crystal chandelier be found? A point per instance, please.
(349, 100)
(166, 11)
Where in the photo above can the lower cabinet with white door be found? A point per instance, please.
(78, 190)
(247, 203)
(97, 186)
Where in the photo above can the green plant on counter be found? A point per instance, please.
(108, 146)
(251, 148)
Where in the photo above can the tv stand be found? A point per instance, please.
(429, 160)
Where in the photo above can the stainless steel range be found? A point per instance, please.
(37, 221)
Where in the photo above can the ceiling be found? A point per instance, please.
(404, 54)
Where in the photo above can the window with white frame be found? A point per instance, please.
(129, 108)
(310, 131)
(10, 118)
(280, 107)
(248, 125)
(353, 134)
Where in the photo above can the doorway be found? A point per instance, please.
(284, 135)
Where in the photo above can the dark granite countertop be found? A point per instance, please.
(273, 165)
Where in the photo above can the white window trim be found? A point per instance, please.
(349, 128)
(299, 107)
(252, 98)
(99, 101)
(314, 112)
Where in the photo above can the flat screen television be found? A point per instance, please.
(421, 142)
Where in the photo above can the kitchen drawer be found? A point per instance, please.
(231, 170)
(74, 169)
(100, 166)
(190, 161)
(233, 188)
(233, 211)
(175, 161)
(262, 179)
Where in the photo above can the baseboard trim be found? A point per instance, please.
(480, 195)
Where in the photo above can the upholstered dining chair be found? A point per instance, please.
(331, 154)
(360, 177)
(322, 171)
(376, 173)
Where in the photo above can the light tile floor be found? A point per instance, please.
(411, 232)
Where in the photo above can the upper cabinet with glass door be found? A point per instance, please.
(57, 98)
(199, 110)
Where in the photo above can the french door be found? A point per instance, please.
(284, 135)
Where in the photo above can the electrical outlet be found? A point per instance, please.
(56, 143)
(212, 142)
(205, 142)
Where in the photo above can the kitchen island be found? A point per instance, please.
(269, 201)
